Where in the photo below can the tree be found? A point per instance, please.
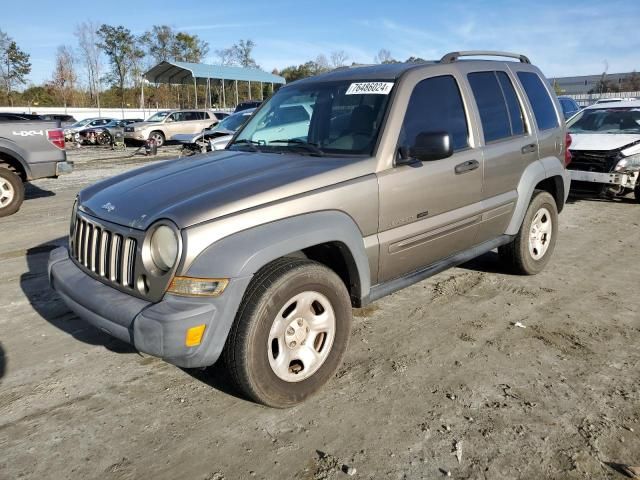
(631, 83)
(86, 33)
(557, 88)
(240, 53)
(122, 49)
(244, 53)
(160, 43)
(189, 48)
(339, 58)
(384, 56)
(64, 75)
(14, 65)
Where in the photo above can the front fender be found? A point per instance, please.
(244, 253)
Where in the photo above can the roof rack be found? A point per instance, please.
(453, 56)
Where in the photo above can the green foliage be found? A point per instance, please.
(240, 54)
(305, 70)
(14, 65)
(122, 49)
(189, 48)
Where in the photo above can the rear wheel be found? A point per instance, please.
(290, 333)
(11, 191)
(532, 247)
(158, 137)
(636, 191)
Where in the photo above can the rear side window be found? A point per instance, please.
(515, 110)
(500, 111)
(491, 105)
(436, 106)
(543, 108)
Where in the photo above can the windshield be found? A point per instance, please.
(157, 117)
(82, 123)
(319, 118)
(232, 122)
(606, 120)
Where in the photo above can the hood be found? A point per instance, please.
(602, 141)
(195, 189)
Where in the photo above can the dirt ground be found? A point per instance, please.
(436, 366)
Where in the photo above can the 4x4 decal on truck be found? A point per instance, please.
(28, 133)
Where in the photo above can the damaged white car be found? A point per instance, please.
(605, 150)
(215, 138)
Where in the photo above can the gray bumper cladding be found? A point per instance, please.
(158, 329)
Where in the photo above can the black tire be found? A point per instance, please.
(247, 351)
(158, 137)
(10, 181)
(636, 191)
(516, 255)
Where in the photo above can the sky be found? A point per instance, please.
(562, 38)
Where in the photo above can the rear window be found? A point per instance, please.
(541, 103)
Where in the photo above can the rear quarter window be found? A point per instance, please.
(543, 109)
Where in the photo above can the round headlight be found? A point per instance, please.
(164, 248)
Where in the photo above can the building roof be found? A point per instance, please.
(184, 72)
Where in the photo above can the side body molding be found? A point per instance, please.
(535, 173)
(244, 253)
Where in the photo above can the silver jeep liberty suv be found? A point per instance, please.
(340, 189)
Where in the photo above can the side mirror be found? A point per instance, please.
(428, 146)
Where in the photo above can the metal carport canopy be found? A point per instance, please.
(178, 72)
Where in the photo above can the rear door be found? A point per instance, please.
(546, 113)
(430, 210)
(509, 144)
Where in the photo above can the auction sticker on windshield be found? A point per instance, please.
(367, 88)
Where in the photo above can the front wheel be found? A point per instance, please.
(532, 247)
(636, 191)
(157, 137)
(290, 333)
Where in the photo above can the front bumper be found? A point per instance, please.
(626, 180)
(158, 329)
(138, 136)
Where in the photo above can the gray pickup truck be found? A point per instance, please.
(28, 150)
(258, 253)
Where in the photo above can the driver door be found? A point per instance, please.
(430, 210)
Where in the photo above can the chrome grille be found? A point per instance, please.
(108, 254)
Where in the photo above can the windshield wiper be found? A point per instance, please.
(250, 143)
(310, 147)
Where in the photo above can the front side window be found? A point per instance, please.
(436, 106)
(341, 117)
(543, 108)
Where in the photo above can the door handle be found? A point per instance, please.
(466, 166)
(532, 147)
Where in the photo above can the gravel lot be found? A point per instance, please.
(435, 366)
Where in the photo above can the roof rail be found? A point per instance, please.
(453, 56)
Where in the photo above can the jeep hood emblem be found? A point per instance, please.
(109, 207)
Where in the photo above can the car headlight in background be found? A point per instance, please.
(632, 162)
(163, 247)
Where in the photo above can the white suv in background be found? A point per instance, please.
(165, 124)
